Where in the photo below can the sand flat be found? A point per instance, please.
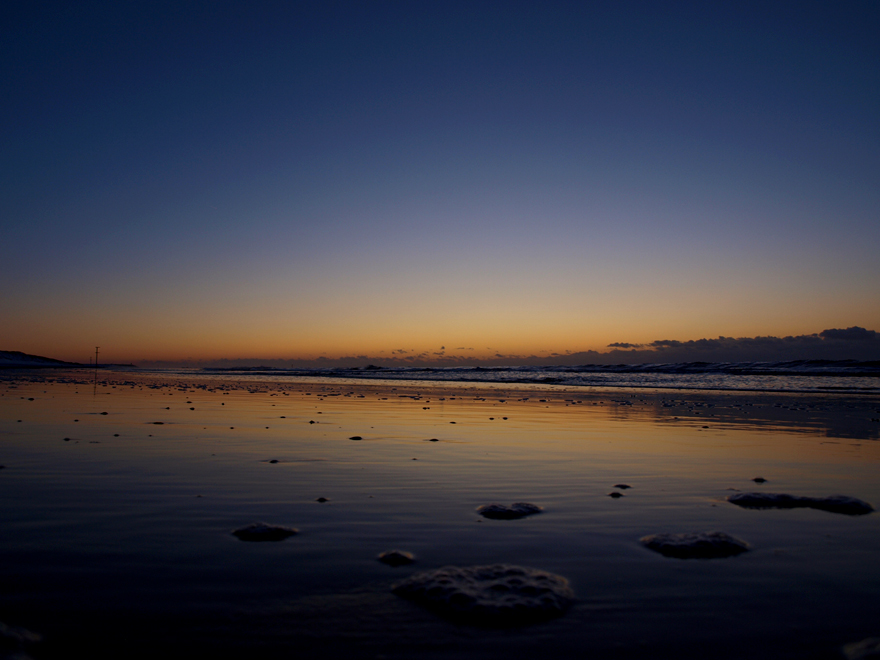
(121, 531)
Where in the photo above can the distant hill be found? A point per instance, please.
(17, 359)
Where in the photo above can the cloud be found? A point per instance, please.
(668, 343)
(853, 343)
(855, 334)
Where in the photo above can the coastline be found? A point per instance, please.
(847, 414)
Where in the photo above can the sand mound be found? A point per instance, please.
(264, 532)
(498, 595)
(396, 557)
(503, 512)
(707, 545)
(835, 503)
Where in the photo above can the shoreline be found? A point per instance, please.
(849, 415)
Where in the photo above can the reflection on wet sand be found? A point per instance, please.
(121, 507)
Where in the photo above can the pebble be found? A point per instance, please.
(834, 504)
(706, 545)
(264, 532)
(355, 437)
(503, 512)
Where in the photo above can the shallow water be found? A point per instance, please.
(122, 544)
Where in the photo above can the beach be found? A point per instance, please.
(120, 496)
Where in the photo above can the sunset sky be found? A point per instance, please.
(295, 180)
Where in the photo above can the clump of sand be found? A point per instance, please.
(834, 503)
(504, 512)
(260, 531)
(396, 557)
(496, 595)
(705, 545)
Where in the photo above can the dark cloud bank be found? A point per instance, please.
(836, 344)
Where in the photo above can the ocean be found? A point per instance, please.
(843, 376)
(119, 497)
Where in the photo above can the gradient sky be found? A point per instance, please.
(291, 180)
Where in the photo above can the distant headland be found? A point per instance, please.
(19, 360)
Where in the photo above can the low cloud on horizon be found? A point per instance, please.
(853, 343)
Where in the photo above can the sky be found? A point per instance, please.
(463, 180)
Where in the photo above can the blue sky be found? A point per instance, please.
(298, 180)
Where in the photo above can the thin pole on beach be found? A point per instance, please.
(95, 388)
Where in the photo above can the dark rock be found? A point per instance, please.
(322, 500)
(759, 480)
(615, 495)
(707, 545)
(622, 486)
(355, 437)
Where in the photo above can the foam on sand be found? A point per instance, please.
(14, 641)
(834, 503)
(260, 531)
(705, 545)
(497, 595)
(867, 649)
(504, 512)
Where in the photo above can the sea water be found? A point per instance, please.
(116, 530)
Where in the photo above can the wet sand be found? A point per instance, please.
(117, 528)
